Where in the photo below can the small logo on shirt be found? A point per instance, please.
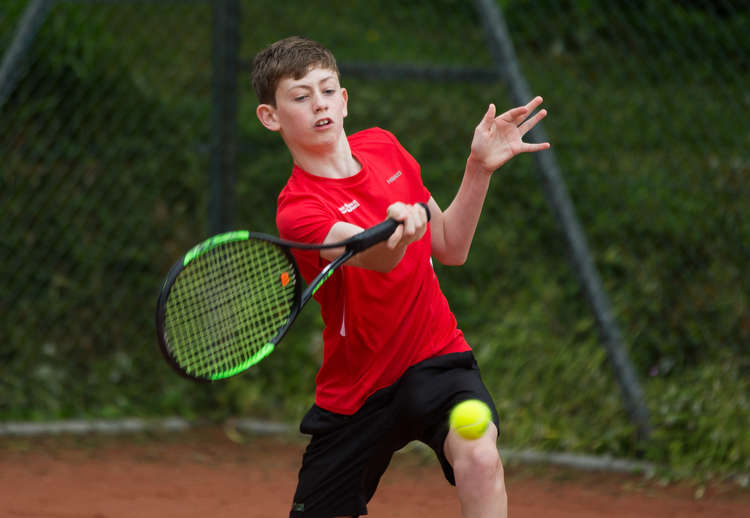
(394, 177)
(346, 208)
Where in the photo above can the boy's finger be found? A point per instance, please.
(515, 115)
(395, 237)
(536, 101)
(410, 224)
(530, 123)
(489, 115)
(531, 148)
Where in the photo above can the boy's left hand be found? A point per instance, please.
(498, 139)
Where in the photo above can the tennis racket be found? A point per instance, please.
(227, 303)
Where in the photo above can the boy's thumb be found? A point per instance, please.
(489, 117)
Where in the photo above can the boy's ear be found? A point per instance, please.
(345, 95)
(267, 116)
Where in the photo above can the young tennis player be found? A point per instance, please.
(394, 361)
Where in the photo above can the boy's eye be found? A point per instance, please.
(300, 98)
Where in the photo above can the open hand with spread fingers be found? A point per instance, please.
(498, 139)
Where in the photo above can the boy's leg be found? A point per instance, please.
(429, 391)
(478, 470)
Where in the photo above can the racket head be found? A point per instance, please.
(225, 305)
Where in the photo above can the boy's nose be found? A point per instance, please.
(320, 103)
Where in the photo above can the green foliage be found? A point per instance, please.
(82, 137)
(105, 153)
(700, 419)
(638, 27)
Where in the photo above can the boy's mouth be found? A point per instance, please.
(323, 122)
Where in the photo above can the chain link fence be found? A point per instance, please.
(128, 134)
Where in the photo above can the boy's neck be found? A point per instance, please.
(334, 162)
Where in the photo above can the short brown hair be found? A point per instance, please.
(291, 57)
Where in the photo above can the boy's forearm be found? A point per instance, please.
(460, 219)
(379, 257)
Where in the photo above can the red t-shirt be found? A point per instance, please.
(376, 324)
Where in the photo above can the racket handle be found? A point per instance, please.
(378, 233)
(426, 210)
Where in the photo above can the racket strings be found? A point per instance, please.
(227, 305)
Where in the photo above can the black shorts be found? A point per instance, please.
(347, 455)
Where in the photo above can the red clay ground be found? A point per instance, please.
(204, 473)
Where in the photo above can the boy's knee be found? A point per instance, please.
(479, 476)
(479, 461)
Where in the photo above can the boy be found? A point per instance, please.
(394, 360)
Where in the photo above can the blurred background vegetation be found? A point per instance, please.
(107, 131)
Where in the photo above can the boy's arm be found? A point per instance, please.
(384, 256)
(496, 140)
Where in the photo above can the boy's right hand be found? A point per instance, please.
(413, 219)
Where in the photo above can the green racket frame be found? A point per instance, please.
(218, 340)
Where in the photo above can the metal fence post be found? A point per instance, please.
(501, 47)
(226, 64)
(31, 21)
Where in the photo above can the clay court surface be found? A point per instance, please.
(207, 473)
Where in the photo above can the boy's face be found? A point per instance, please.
(309, 111)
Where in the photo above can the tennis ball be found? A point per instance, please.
(470, 418)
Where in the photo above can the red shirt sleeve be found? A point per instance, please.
(306, 219)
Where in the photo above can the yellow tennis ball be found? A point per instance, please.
(470, 418)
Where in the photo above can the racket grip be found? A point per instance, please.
(426, 210)
(378, 233)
